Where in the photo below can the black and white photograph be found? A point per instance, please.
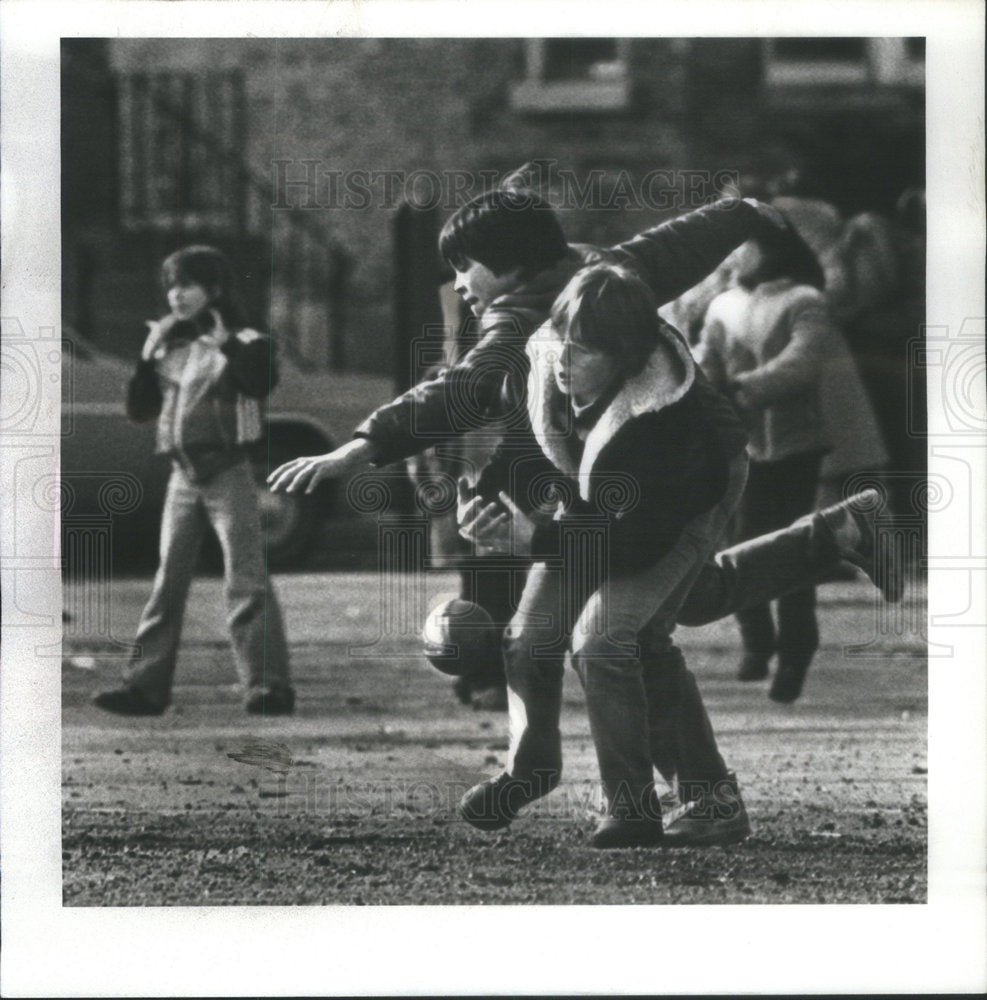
(463, 463)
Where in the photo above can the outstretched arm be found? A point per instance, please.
(465, 396)
(675, 256)
(307, 472)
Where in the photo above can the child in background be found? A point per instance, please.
(203, 374)
(766, 344)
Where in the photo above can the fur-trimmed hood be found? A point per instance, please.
(665, 379)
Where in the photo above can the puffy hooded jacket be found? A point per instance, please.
(652, 456)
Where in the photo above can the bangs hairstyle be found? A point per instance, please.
(609, 309)
(504, 229)
(786, 255)
(209, 267)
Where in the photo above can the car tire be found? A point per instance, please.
(290, 521)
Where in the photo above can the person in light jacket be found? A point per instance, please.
(765, 343)
(203, 375)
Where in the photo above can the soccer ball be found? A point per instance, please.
(458, 636)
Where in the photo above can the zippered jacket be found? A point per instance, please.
(206, 389)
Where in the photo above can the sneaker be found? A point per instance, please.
(641, 827)
(494, 803)
(126, 701)
(612, 832)
(276, 701)
(851, 525)
(715, 820)
(490, 699)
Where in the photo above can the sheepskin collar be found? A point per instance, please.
(667, 377)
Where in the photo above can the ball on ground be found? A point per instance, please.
(458, 637)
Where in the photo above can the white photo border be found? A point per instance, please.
(260, 951)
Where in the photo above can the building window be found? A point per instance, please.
(574, 74)
(182, 137)
(825, 61)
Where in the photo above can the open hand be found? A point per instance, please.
(310, 470)
(499, 526)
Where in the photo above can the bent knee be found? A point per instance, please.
(614, 645)
(522, 646)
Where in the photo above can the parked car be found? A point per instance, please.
(308, 413)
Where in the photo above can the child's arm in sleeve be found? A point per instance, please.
(144, 392)
(678, 254)
(252, 363)
(797, 367)
(708, 352)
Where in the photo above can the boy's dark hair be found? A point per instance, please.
(504, 229)
(610, 309)
(210, 268)
(786, 255)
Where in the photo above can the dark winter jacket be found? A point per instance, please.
(655, 456)
(205, 387)
(488, 383)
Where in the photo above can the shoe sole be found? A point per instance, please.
(486, 825)
(501, 819)
(131, 713)
(890, 570)
(655, 839)
(707, 840)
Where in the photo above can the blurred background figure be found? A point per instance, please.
(857, 437)
(491, 586)
(765, 343)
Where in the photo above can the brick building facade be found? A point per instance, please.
(295, 154)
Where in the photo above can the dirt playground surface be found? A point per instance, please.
(352, 800)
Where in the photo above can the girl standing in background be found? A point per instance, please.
(766, 343)
(203, 374)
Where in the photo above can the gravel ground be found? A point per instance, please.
(352, 800)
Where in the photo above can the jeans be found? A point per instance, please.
(494, 590)
(777, 492)
(226, 501)
(629, 722)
